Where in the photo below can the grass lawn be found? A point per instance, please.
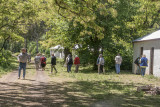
(111, 90)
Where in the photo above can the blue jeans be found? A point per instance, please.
(22, 66)
(117, 68)
(143, 70)
(69, 67)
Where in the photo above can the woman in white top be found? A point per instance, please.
(118, 61)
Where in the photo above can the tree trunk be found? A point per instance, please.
(66, 52)
(96, 54)
(25, 40)
(37, 46)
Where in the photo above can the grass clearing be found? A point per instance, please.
(109, 88)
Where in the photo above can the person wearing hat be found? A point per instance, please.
(43, 62)
(22, 59)
(37, 60)
(77, 63)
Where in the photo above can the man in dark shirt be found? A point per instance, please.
(53, 63)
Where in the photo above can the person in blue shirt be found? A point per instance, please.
(143, 64)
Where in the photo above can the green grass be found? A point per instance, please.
(13, 65)
(116, 90)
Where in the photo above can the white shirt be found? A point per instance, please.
(118, 59)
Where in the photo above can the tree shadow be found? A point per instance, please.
(72, 94)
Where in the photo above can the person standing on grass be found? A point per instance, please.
(53, 63)
(22, 59)
(37, 60)
(143, 64)
(98, 64)
(137, 63)
(118, 62)
(101, 63)
(77, 63)
(69, 62)
(43, 62)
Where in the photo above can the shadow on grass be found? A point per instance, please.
(112, 71)
(73, 94)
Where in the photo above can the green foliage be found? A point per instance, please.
(5, 58)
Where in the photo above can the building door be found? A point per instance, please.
(141, 51)
(151, 60)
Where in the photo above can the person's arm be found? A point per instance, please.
(55, 60)
(18, 58)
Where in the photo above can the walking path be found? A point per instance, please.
(36, 90)
(41, 90)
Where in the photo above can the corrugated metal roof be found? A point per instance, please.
(152, 36)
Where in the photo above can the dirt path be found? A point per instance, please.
(37, 90)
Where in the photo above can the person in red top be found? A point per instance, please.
(77, 63)
(43, 62)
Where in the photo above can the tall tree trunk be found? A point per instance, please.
(25, 41)
(37, 46)
(66, 52)
(96, 54)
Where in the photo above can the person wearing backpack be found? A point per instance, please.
(43, 62)
(77, 63)
(137, 63)
(37, 61)
(53, 63)
(101, 64)
(69, 61)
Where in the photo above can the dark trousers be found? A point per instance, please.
(101, 68)
(53, 66)
(76, 68)
(69, 67)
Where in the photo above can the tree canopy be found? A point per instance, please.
(96, 26)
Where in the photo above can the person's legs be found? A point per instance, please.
(70, 66)
(77, 68)
(119, 68)
(101, 68)
(116, 66)
(24, 70)
(51, 68)
(142, 71)
(19, 70)
(67, 67)
(98, 68)
(55, 68)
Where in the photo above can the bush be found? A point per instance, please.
(5, 57)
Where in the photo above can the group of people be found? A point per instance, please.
(40, 62)
(100, 63)
(24, 57)
(69, 63)
(142, 64)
